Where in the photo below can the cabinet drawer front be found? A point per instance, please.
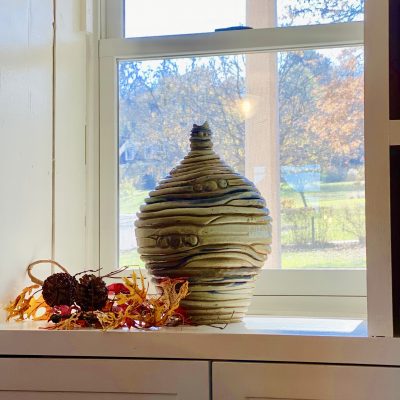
(100, 379)
(18, 395)
(269, 381)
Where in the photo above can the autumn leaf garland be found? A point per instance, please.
(128, 305)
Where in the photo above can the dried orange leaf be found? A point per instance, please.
(38, 304)
(66, 324)
(170, 296)
(18, 308)
(110, 320)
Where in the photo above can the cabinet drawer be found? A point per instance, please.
(102, 379)
(269, 381)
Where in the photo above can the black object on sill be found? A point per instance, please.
(395, 234)
(233, 28)
(394, 59)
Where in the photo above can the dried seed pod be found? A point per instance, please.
(59, 289)
(91, 293)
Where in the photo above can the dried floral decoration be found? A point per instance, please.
(26, 306)
(93, 304)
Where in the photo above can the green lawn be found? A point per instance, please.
(131, 201)
(336, 194)
(349, 256)
(338, 225)
(339, 256)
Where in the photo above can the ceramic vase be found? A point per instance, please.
(209, 225)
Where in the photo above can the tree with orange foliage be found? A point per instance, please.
(337, 124)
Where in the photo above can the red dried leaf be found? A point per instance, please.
(116, 288)
(129, 322)
(64, 311)
(82, 323)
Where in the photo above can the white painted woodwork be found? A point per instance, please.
(230, 42)
(109, 192)
(21, 395)
(25, 138)
(377, 184)
(312, 282)
(309, 306)
(73, 379)
(247, 341)
(262, 161)
(113, 19)
(237, 381)
(318, 293)
(92, 133)
(70, 120)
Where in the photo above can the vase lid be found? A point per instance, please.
(200, 138)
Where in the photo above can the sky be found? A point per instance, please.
(176, 17)
(193, 16)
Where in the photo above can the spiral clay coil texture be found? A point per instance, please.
(209, 225)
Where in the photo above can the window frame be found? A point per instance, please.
(278, 292)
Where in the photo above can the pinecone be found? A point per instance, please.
(91, 293)
(59, 289)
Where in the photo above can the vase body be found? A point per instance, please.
(209, 225)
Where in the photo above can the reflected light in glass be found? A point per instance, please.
(332, 325)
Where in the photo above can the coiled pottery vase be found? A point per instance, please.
(209, 225)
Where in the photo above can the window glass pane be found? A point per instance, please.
(292, 122)
(172, 17)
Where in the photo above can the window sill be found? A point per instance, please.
(252, 324)
(304, 326)
(268, 339)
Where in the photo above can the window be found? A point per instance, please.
(285, 103)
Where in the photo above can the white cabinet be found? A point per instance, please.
(102, 379)
(271, 381)
(138, 379)
(165, 364)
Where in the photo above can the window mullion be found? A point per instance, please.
(108, 171)
(112, 16)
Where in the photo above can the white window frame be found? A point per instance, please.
(326, 293)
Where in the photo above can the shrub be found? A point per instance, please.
(307, 226)
(354, 222)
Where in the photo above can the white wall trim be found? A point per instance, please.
(108, 164)
(113, 17)
(379, 278)
(92, 145)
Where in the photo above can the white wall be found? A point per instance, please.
(27, 136)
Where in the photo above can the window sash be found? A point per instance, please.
(331, 292)
(233, 42)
